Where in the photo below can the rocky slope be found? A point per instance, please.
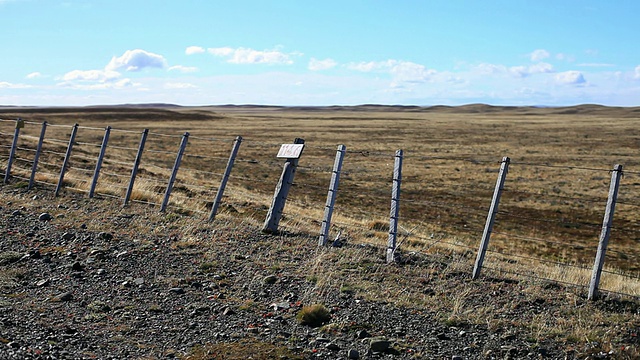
(83, 279)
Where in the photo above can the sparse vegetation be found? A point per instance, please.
(449, 174)
(313, 315)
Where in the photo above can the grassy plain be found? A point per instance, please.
(550, 214)
(547, 229)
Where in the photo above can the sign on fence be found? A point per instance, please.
(290, 151)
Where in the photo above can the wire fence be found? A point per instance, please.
(546, 228)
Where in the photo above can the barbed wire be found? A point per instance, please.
(508, 214)
(541, 260)
(590, 200)
(538, 240)
(530, 275)
(567, 167)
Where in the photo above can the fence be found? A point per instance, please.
(533, 219)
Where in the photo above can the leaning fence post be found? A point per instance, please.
(331, 195)
(491, 217)
(36, 158)
(103, 149)
(395, 207)
(67, 156)
(14, 146)
(282, 188)
(174, 172)
(606, 231)
(225, 178)
(136, 164)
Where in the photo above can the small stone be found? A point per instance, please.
(43, 283)
(16, 213)
(65, 296)
(105, 236)
(363, 334)
(332, 346)
(13, 344)
(379, 345)
(45, 217)
(101, 272)
(68, 236)
(138, 281)
(228, 311)
(177, 290)
(252, 330)
(443, 336)
(270, 279)
(456, 357)
(353, 354)
(77, 266)
(280, 306)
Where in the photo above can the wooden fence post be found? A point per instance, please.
(225, 178)
(136, 164)
(36, 158)
(67, 156)
(14, 146)
(174, 172)
(103, 149)
(491, 217)
(280, 196)
(395, 208)
(606, 231)
(331, 195)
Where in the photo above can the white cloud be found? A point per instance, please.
(7, 85)
(403, 72)
(136, 60)
(34, 75)
(637, 73)
(570, 78)
(91, 75)
(539, 54)
(183, 69)
(251, 56)
(179, 86)
(194, 50)
(520, 71)
(317, 65)
(489, 69)
(596, 65)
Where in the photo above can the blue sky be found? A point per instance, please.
(288, 52)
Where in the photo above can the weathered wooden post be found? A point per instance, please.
(225, 178)
(331, 195)
(136, 164)
(174, 172)
(36, 158)
(395, 208)
(491, 217)
(67, 156)
(14, 146)
(292, 153)
(103, 149)
(606, 232)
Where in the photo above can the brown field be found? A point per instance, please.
(550, 215)
(533, 286)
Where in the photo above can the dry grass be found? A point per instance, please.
(551, 211)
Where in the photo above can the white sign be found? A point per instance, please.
(290, 151)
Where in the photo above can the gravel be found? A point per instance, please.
(70, 292)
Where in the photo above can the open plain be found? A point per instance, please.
(99, 280)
